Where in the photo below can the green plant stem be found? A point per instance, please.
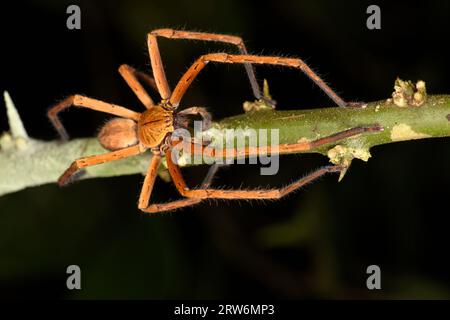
(26, 162)
(431, 120)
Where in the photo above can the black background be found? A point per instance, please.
(317, 243)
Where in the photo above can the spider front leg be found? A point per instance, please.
(201, 62)
(232, 153)
(98, 159)
(86, 102)
(197, 195)
(157, 67)
(277, 193)
(203, 36)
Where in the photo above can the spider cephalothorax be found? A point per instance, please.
(135, 132)
(154, 125)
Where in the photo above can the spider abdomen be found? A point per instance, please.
(118, 133)
(154, 125)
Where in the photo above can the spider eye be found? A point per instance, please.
(118, 133)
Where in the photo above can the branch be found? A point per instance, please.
(408, 115)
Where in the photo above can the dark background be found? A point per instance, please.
(317, 243)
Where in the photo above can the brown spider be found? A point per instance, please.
(134, 133)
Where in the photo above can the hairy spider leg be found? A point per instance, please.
(205, 193)
(200, 63)
(98, 159)
(130, 75)
(204, 36)
(89, 103)
(172, 205)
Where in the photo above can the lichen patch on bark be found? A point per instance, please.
(402, 131)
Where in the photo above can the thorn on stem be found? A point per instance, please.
(15, 123)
